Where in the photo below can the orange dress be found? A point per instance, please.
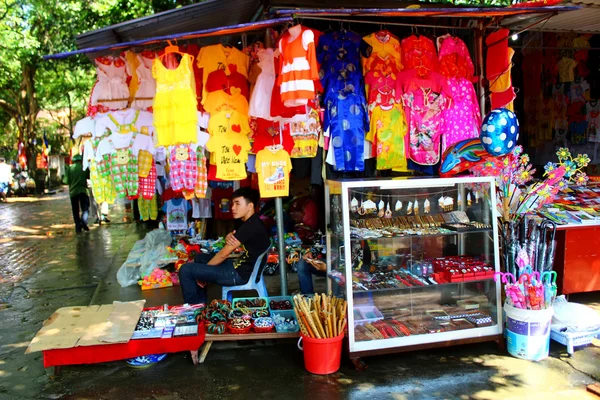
(299, 67)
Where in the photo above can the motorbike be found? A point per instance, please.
(22, 184)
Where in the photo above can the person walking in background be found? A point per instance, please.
(77, 178)
(5, 178)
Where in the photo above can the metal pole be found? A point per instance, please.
(479, 52)
(281, 241)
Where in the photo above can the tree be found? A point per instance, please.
(32, 28)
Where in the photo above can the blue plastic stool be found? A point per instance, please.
(254, 283)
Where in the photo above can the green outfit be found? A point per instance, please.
(76, 178)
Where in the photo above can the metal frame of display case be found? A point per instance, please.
(412, 342)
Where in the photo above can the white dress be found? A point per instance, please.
(260, 101)
(111, 83)
(147, 84)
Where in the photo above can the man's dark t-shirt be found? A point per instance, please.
(254, 237)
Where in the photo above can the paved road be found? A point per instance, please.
(44, 265)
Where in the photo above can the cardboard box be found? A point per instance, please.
(88, 326)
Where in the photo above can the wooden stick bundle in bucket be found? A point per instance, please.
(321, 317)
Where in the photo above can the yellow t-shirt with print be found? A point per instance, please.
(230, 154)
(218, 101)
(273, 168)
(228, 121)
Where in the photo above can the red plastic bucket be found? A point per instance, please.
(321, 356)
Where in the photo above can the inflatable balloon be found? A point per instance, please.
(499, 132)
(462, 156)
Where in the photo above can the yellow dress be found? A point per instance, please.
(175, 114)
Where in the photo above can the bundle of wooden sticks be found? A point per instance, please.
(320, 317)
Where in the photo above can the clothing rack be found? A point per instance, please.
(557, 48)
(361, 21)
(124, 99)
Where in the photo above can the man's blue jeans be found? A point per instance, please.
(305, 273)
(223, 274)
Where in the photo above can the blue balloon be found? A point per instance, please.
(499, 132)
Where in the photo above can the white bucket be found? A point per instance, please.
(528, 332)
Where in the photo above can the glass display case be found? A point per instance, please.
(415, 259)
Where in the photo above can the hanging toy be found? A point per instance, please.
(499, 132)
(381, 206)
(354, 205)
(426, 206)
(409, 208)
(416, 207)
(388, 211)
(398, 206)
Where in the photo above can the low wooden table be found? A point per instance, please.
(229, 337)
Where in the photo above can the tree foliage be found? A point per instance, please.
(30, 29)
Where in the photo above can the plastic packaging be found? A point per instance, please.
(145, 256)
(574, 317)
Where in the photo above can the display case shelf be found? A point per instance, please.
(422, 287)
(454, 233)
(471, 200)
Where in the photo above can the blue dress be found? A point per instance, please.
(346, 116)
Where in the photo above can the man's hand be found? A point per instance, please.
(231, 240)
(318, 265)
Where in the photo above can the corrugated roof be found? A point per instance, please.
(584, 20)
(206, 15)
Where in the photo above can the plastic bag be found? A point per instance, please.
(574, 317)
(144, 257)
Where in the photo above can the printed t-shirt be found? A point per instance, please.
(305, 130)
(231, 153)
(221, 101)
(176, 212)
(228, 121)
(273, 168)
(212, 58)
(255, 240)
(222, 199)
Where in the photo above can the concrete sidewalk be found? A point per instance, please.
(57, 268)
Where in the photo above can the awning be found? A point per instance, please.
(467, 12)
(584, 20)
(221, 31)
(196, 17)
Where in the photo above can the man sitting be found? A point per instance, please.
(252, 236)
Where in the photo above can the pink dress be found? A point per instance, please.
(462, 118)
(454, 58)
(425, 111)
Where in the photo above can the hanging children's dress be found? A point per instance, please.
(299, 68)
(425, 109)
(122, 166)
(184, 171)
(260, 101)
(111, 84)
(144, 95)
(462, 118)
(103, 187)
(175, 114)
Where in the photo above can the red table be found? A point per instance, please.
(577, 260)
(120, 351)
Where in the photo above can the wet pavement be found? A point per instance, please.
(44, 265)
